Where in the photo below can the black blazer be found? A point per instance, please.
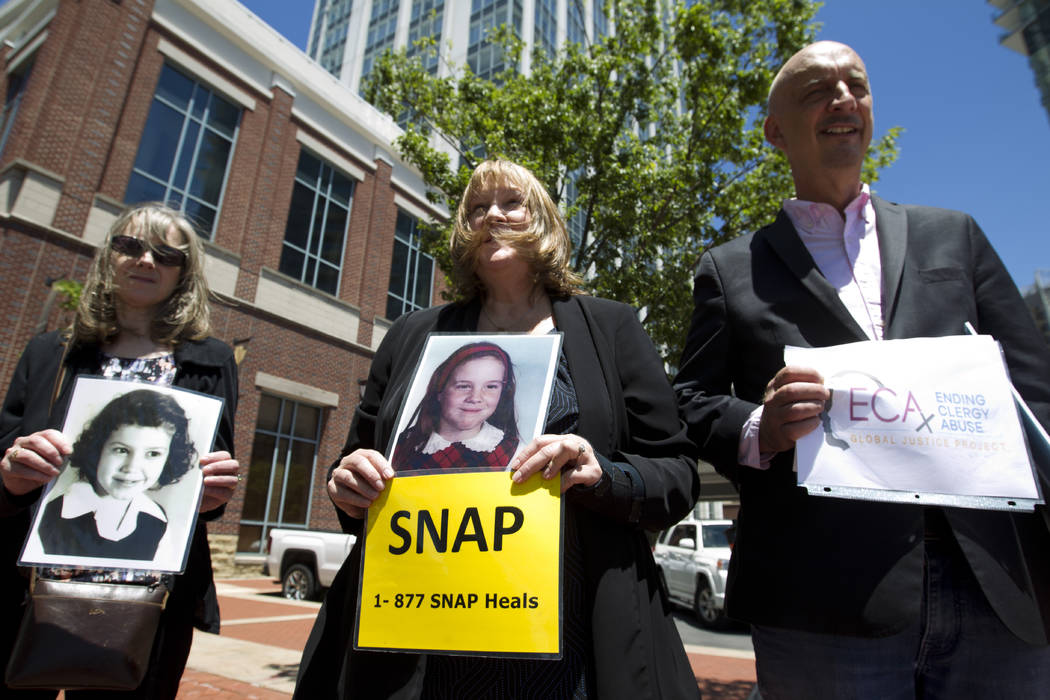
(758, 293)
(627, 413)
(206, 366)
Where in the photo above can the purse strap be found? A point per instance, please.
(60, 375)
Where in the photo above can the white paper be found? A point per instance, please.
(924, 420)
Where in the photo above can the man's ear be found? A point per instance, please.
(772, 132)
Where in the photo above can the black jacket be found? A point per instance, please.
(206, 366)
(838, 566)
(627, 413)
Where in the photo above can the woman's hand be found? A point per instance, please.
(33, 460)
(568, 455)
(357, 481)
(221, 474)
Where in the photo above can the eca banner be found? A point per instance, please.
(922, 420)
(463, 562)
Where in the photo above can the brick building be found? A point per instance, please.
(309, 217)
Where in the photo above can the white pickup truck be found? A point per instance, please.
(305, 561)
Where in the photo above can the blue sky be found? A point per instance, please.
(976, 137)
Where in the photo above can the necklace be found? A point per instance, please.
(495, 325)
(533, 318)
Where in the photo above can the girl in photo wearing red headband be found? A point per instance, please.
(466, 418)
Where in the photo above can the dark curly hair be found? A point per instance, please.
(144, 407)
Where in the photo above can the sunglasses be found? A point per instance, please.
(166, 255)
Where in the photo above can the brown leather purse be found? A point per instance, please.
(78, 634)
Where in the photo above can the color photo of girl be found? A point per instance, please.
(466, 419)
(471, 411)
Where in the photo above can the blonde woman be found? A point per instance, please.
(612, 435)
(143, 316)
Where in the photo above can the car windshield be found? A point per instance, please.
(715, 535)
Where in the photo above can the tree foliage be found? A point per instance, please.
(659, 126)
(70, 291)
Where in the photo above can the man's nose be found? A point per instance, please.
(843, 97)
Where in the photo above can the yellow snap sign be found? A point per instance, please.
(463, 562)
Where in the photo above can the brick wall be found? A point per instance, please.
(134, 110)
(82, 118)
(30, 258)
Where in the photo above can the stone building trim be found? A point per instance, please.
(206, 74)
(288, 298)
(297, 391)
(330, 155)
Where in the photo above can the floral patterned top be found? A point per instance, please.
(158, 369)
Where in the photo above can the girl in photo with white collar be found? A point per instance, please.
(137, 443)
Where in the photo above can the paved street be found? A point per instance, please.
(734, 636)
(257, 654)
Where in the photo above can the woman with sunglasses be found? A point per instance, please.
(143, 316)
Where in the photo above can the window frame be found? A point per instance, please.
(414, 244)
(266, 523)
(328, 201)
(183, 191)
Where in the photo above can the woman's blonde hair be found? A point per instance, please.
(543, 242)
(185, 315)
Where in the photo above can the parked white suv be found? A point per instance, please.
(693, 559)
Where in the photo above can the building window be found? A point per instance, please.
(315, 235)
(334, 21)
(411, 272)
(281, 470)
(425, 23)
(601, 21)
(575, 31)
(485, 58)
(16, 88)
(381, 29)
(185, 149)
(545, 27)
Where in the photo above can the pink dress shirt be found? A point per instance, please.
(847, 254)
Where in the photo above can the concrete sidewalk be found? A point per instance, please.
(257, 654)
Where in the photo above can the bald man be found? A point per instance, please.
(859, 599)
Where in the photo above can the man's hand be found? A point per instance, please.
(791, 408)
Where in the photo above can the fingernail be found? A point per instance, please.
(516, 477)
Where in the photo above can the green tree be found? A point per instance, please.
(70, 291)
(659, 126)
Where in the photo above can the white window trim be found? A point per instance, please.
(296, 391)
(205, 74)
(334, 159)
